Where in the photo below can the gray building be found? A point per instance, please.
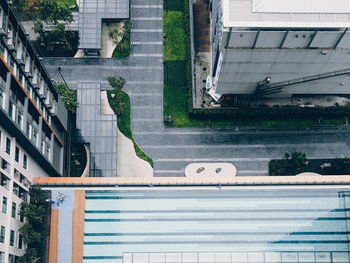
(30, 108)
(91, 15)
(303, 47)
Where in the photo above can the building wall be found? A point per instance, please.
(33, 126)
(28, 97)
(14, 183)
(250, 55)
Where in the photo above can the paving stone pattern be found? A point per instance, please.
(250, 149)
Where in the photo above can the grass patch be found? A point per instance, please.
(124, 123)
(337, 166)
(175, 42)
(175, 73)
(173, 5)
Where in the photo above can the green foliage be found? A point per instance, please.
(68, 96)
(173, 5)
(123, 48)
(34, 230)
(296, 163)
(124, 116)
(176, 41)
(175, 73)
(117, 83)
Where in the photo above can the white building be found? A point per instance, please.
(281, 40)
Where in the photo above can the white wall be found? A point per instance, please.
(33, 170)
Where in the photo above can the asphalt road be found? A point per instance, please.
(250, 149)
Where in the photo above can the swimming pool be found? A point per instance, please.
(228, 225)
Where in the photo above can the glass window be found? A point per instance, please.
(4, 181)
(8, 146)
(13, 212)
(29, 130)
(25, 161)
(17, 154)
(21, 216)
(20, 241)
(5, 165)
(2, 234)
(20, 119)
(4, 205)
(12, 238)
(2, 100)
(2, 257)
(12, 110)
(35, 137)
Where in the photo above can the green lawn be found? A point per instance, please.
(175, 39)
(124, 124)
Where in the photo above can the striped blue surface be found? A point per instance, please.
(219, 220)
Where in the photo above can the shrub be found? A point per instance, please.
(68, 96)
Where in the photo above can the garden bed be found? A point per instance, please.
(124, 123)
(339, 166)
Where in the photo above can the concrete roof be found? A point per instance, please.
(286, 14)
(91, 13)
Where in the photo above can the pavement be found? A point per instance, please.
(172, 149)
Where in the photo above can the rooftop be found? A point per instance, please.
(286, 14)
(194, 224)
(91, 14)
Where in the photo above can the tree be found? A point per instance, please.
(35, 227)
(117, 83)
(68, 96)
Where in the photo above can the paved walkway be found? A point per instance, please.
(250, 149)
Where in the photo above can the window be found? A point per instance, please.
(35, 137)
(4, 205)
(20, 241)
(8, 146)
(2, 255)
(12, 238)
(4, 181)
(21, 216)
(2, 99)
(2, 234)
(20, 119)
(5, 165)
(25, 161)
(13, 212)
(13, 258)
(12, 110)
(29, 130)
(17, 154)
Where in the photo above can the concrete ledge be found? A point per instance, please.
(306, 179)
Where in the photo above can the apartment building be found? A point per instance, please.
(298, 47)
(33, 129)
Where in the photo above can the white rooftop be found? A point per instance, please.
(286, 13)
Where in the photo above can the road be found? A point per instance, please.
(250, 149)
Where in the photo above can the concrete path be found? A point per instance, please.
(249, 149)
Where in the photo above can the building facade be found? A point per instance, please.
(254, 41)
(33, 128)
